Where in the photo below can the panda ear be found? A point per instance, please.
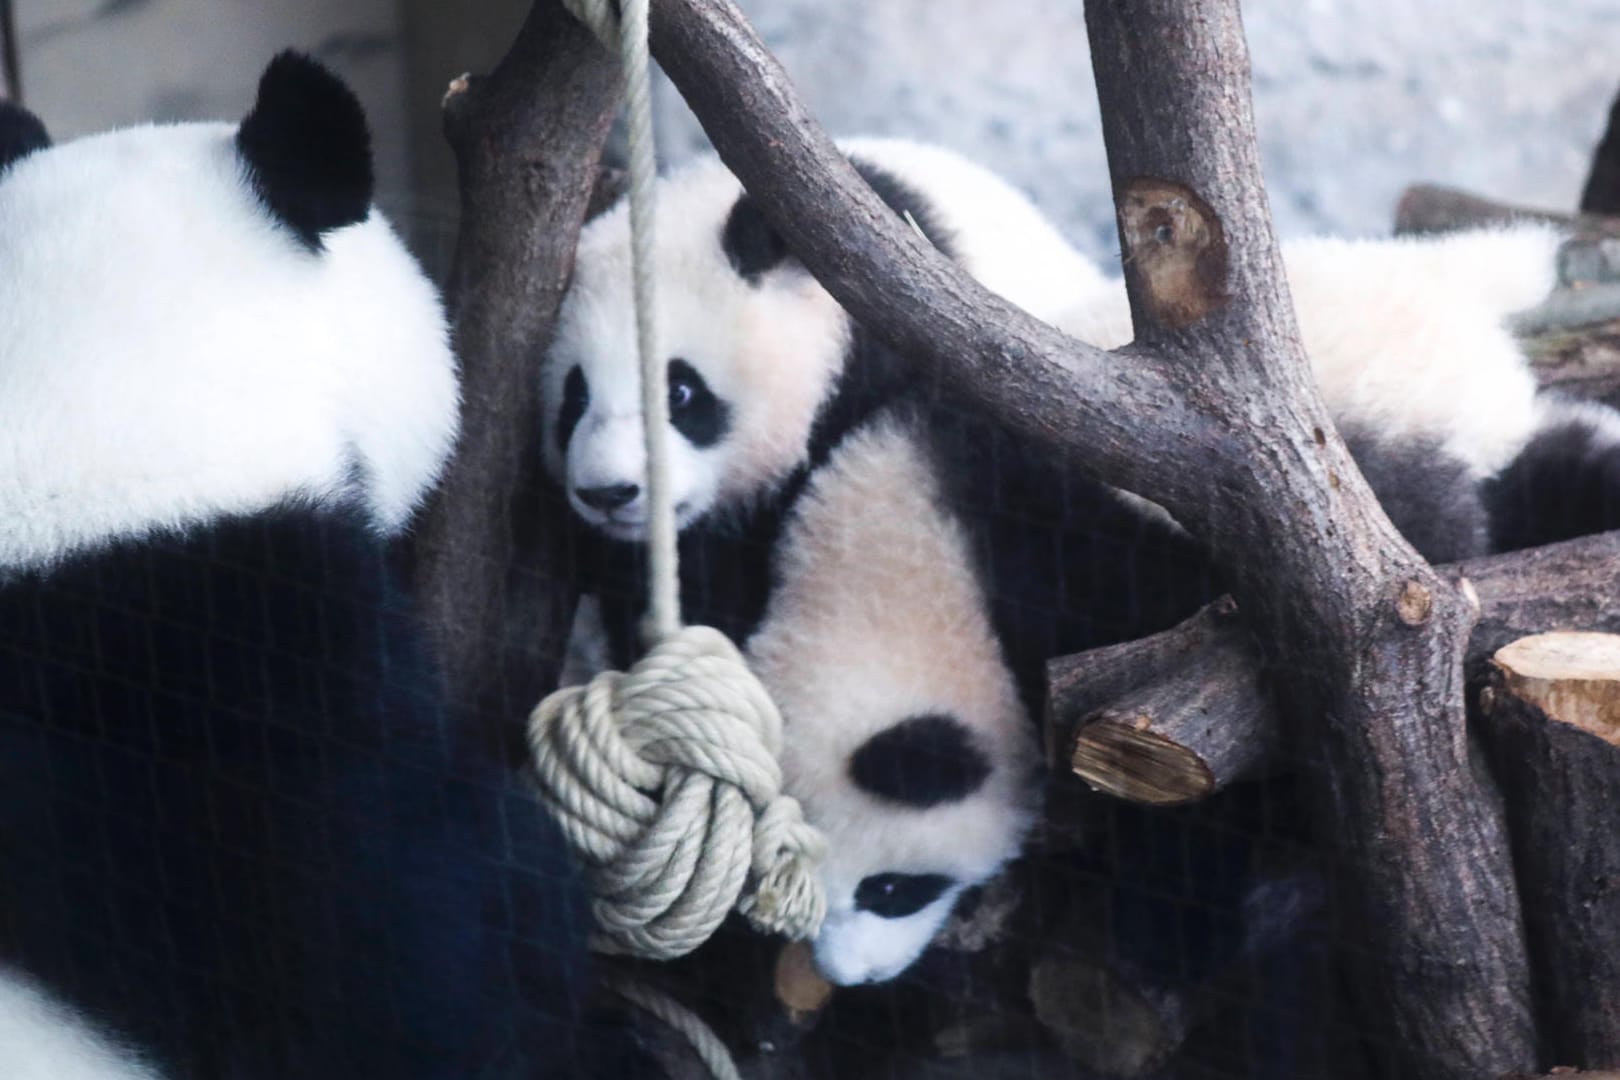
(21, 133)
(750, 243)
(307, 148)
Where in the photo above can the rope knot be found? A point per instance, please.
(665, 779)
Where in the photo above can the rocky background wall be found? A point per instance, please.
(1355, 98)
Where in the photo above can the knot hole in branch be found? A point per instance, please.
(1175, 250)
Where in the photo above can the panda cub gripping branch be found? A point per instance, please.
(238, 835)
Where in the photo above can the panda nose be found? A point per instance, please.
(607, 497)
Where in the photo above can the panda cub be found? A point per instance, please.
(238, 836)
(765, 370)
(906, 738)
(1409, 341)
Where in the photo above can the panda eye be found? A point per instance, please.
(680, 395)
(894, 896)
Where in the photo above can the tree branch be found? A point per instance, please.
(1179, 715)
(490, 553)
(1213, 414)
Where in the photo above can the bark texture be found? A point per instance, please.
(1168, 719)
(1549, 721)
(491, 563)
(1568, 586)
(1213, 414)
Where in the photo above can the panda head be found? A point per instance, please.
(201, 320)
(751, 343)
(905, 738)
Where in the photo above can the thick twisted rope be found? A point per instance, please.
(664, 778)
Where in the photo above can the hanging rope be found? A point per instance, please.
(664, 778)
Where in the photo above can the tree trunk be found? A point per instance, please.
(492, 567)
(1551, 720)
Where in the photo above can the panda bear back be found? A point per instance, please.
(170, 353)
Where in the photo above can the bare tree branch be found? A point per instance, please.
(490, 553)
(1190, 697)
(1214, 415)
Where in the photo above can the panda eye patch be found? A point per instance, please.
(576, 397)
(701, 418)
(894, 896)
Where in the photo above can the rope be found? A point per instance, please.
(691, 723)
(664, 778)
(708, 1046)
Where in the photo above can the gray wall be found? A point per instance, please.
(91, 64)
(1355, 98)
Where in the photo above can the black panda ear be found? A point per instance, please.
(21, 133)
(750, 243)
(922, 761)
(307, 148)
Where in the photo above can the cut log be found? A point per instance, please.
(1176, 738)
(800, 988)
(1550, 717)
(1198, 715)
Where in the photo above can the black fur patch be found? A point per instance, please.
(751, 245)
(694, 410)
(576, 399)
(1426, 493)
(922, 761)
(894, 896)
(21, 133)
(1564, 484)
(232, 806)
(307, 148)
(905, 200)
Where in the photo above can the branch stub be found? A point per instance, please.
(1175, 247)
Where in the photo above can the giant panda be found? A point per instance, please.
(765, 372)
(238, 836)
(1409, 340)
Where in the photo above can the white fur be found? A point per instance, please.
(168, 354)
(1407, 336)
(879, 616)
(42, 1039)
(772, 350)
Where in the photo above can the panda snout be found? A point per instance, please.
(608, 497)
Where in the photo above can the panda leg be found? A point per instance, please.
(1564, 483)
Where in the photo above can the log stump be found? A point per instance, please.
(1550, 716)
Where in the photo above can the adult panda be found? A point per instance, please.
(237, 836)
